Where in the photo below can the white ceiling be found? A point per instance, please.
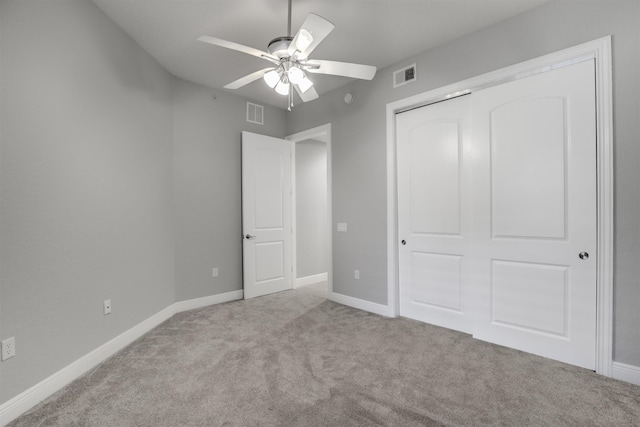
(372, 32)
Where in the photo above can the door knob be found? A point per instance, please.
(584, 255)
(250, 237)
(404, 242)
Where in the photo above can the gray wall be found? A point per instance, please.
(311, 208)
(206, 177)
(359, 140)
(85, 175)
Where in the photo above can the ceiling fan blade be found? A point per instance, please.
(238, 47)
(248, 78)
(346, 69)
(314, 26)
(307, 96)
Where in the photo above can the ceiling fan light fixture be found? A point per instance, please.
(289, 58)
(305, 84)
(304, 40)
(272, 78)
(282, 87)
(296, 75)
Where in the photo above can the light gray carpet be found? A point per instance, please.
(296, 359)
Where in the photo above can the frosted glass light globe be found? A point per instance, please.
(282, 88)
(295, 75)
(272, 78)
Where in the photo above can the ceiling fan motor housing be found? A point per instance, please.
(279, 46)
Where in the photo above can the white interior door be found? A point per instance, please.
(266, 214)
(535, 214)
(434, 222)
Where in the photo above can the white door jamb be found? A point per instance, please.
(323, 134)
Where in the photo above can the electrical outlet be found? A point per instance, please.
(342, 227)
(8, 348)
(106, 306)
(214, 272)
(356, 274)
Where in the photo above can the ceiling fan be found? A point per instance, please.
(290, 60)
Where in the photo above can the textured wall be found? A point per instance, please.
(85, 184)
(359, 140)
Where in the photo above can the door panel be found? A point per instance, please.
(436, 280)
(267, 175)
(535, 211)
(433, 222)
(434, 175)
(269, 261)
(536, 302)
(266, 214)
(529, 200)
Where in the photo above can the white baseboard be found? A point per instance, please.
(26, 400)
(310, 280)
(192, 304)
(624, 372)
(372, 307)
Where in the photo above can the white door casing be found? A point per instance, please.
(266, 215)
(434, 213)
(535, 212)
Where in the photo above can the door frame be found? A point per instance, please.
(323, 134)
(598, 50)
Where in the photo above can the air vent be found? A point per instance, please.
(404, 76)
(255, 113)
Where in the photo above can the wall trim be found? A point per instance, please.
(192, 304)
(624, 372)
(360, 304)
(29, 398)
(598, 50)
(310, 280)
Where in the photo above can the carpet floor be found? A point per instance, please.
(296, 359)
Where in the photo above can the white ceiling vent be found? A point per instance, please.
(255, 113)
(405, 75)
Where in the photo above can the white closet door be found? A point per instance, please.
(434, 213)
(535, 214)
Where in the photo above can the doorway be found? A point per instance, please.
(269, 211)
(312, 241)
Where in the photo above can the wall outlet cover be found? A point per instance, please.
(8, 348)
(107, 306)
